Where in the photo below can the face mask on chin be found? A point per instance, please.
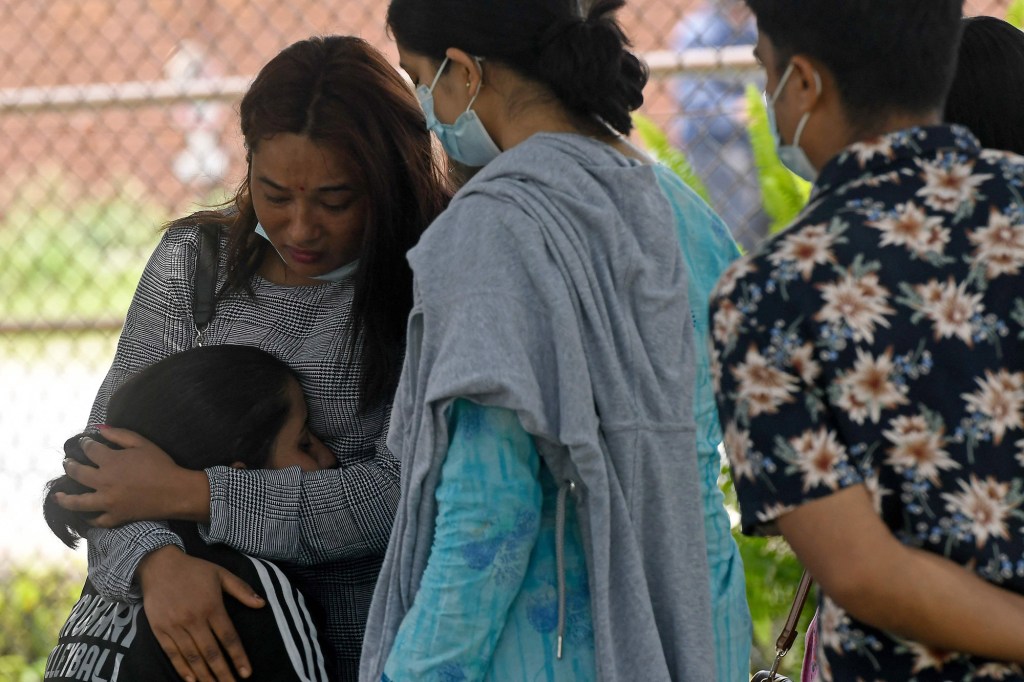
(332, 276)
(466, 140)
(791, 155)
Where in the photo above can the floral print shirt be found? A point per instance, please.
(878, 342)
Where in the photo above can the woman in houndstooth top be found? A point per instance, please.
(341, 182)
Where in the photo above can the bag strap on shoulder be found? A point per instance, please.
(204, 299)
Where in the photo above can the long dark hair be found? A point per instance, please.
(583, 60)
(208, 406)
(344, 96)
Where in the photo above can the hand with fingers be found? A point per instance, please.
(195, 632)
(139, 482)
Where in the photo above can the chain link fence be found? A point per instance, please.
(117, 116)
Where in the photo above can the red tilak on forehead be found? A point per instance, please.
(301, 188)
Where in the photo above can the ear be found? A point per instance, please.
(238, 465)
(466, 68)
(809, 82)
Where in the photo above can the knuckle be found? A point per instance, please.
(212, 653)
(230, 639)
(187, 621)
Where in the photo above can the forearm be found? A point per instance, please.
(912, 593)
(305, 518)
(927, 598)
(115, 554)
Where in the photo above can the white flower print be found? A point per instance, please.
(875, 180)
(1000, 245)
(802, 361)
(762, 387)
(726, 322)
(949, 184)
(913, 229)
(737, 446)
(876, 490)
(995, 155)
(807, 248)
(984, 503)
(918, 447)
(951, 309)
(868, 388)
(998, 671)
(773, 511)
(869, 149)
(818, 453)
(931, 292)
(925, 657)
(716, 369)
(831, 619)
(738, 269)
(1000, 398)
(860, 303)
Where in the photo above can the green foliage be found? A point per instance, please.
(34, 603)
(656, 142)
(783, 193)
(772, 572)
(63, 260)
(1015, 13)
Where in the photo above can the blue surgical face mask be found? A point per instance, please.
(466, 140)
(332, 276)
(791, 155)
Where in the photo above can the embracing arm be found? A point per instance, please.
(862, 567)
(155, 326)
(306, 518)
(115, 553)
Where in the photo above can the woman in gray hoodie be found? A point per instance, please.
(550, 524)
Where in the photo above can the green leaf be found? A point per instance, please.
(782, 192)
(1015, 13)
(656, 142)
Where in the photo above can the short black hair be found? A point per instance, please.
(988, 90)
(886, 55)
(206, 406)
(582, 59)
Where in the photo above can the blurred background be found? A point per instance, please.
(116, 116)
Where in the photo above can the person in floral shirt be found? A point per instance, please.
(869, 360)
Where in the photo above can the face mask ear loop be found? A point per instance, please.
(807, 116)
(782, 84)
(437, 76)
(480, 85)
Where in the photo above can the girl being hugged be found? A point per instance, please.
(232, 399)
(550, 524)
(341, 182)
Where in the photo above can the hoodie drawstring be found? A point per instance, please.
(563, 491)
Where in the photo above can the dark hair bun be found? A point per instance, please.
(587, 63)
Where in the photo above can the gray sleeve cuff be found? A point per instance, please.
(114, 555)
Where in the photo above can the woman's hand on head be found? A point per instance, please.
(184, 602)
(138, 483)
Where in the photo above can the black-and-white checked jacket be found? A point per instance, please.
(329, 528)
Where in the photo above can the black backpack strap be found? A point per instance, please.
(205, 282)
